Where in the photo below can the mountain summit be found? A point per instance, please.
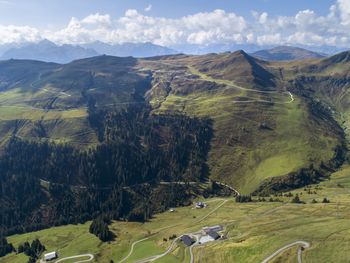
(239, 67)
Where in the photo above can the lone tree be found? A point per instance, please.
(296, 200)
(99, 228)
(325, 200)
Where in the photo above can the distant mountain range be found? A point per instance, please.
(50, 52)
(284, 53)
(249, 48)
(137, 50)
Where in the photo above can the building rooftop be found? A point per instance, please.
(51, 255)
(216, 228)
(188, 241)
(214, 235)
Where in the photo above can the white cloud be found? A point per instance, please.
(217, 27)
(305, 27)
(18, 34)
(148, 8)
(344, 8)
(201, 28)
(97, 19)
(263, 18)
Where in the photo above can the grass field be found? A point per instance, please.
(253, 230)
(22, 109)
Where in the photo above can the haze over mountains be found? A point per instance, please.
(137, 50)
(48, 51)
(286, 53)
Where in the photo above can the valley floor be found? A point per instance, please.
(253, 231)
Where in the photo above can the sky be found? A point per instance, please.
(176, 23)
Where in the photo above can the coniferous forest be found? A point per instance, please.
(44, 184)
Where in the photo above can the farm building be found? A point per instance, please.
(50, 256)
(216, 228)
(201, 205)
(188, 241)
(211, 236)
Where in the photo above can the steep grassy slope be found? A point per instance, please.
(261, 129)
(238, 67)
(327, 81)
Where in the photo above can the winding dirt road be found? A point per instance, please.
(230, 187)
(191, 247)
(132, 249)
(303, 244)
(153, 258)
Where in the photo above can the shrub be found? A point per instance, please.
(325, 201)
(243, 199)
(172, 237)
(296, 200)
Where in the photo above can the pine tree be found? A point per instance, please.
(99, 228)
(37, 248)
(325, 200)
(5, 247)
(296, 200)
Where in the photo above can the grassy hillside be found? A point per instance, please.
(253, 230)
(263, 122)
(55, 98)
(325, 80)
(238, 67)
(261, 131)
